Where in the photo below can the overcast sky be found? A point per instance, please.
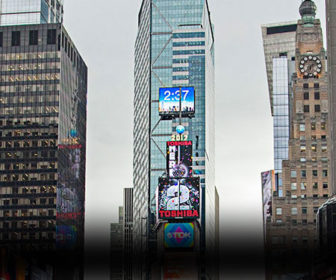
(104, 32)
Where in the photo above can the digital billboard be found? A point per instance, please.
(169, 101)
(66, 236)
(178, 198)
(268, 183)
(179, 235)
(179, 159)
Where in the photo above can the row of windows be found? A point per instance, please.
(28, 154)
(26, 132)
(28, 177)
(303, 185)
(304, 173)
(27, 143)
(294, 223)
(314, 148)
(316, 95)
(28, 190)
(302, 126)
(306, 85)
(33, 38)
(317, 108)
(26, 201)
(304, 196)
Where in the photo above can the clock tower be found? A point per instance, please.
(292, 234)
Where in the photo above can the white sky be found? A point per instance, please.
(104, 32)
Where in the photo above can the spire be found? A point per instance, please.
(308, 11)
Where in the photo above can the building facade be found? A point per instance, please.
(291, 231)
(128, 233)
(43, 94)
(116, 243)
(174, 47)
(279, 49)
(19, 12)
(331, 39)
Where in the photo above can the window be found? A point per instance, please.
(313, 126)
(293, 173)
(317, 108)
(304, 210)
(16, 38)
(1, 39)
(315, 210)
(278, 221)
(325, 173)
(304, 222)
(323, 125)
(317, 96)
(306, 108)
(324, 148)
(325, 196)
(303, 159)
(314, 172)
(51, 37)
(315, 195)
(305, 85)
(302, 127)
(303, 186)
(323, 137)
(325, 185)
(294, 196)
(293, 186)
(294, 222)
(315, 185)
(302, 148)
(306, 95)
(303, 173)
(33, 37)
(316, 85)
(313, 147)
(279, 211)
(294, 211)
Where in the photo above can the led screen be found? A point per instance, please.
(169, 101)
(178, 198)
(179, 159)
(179, 235)
(66, 236)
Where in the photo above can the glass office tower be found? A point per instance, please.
(43, 89)
(279, 49)
(174, 47)
(17, 12)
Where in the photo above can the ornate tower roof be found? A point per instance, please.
(308, 11)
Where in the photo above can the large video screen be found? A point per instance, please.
(179, 235)
(268, 182)
(178, 198)
(179, 159)
(169, 101)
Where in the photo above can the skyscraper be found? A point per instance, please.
(116, 243)
(128, 233)
(279, 48)
(291, 231)
(174, 47)
(18, 12)
(43, 93)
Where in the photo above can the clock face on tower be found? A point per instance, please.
(310, 66)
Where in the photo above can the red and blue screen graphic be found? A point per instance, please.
(179, 235)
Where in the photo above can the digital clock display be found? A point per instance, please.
(169, 101)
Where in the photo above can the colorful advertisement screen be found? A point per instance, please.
(178, 198)
(179, 159)
(179, 235)
(169, 101)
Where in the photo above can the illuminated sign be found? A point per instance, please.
(169, 101)
(66, 236)
(183, 137)
(179, 235)
(179, 159)
(178, 198)
(268, 185)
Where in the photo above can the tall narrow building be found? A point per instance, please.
(291, 232)
(279, 48)
(174, 47)
(43, 94)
